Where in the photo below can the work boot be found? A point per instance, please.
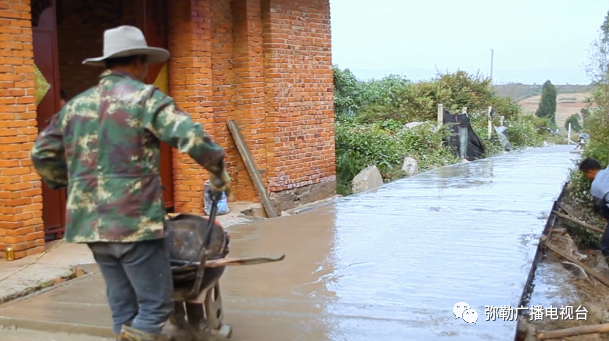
(132, 334)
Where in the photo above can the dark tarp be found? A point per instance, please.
(475, 147)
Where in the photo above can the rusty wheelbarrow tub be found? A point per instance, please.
(194, 240)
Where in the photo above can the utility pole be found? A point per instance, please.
(492, 55)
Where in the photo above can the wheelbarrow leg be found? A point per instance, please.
(214, 312)
(205, 319)
(196, 315)
(180, 330)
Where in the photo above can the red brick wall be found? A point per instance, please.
(264, 63)
(190, 85)
(299, 83)
(250, 102)
(223, 85)
(20, 191)
(218, 71)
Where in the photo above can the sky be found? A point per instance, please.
(533, 40)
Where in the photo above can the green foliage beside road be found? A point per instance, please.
(596, 124)
(370, 116)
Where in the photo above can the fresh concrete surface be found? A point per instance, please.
(77, 309)
(19, 278)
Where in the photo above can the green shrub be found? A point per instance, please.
(598, 127)
(505, 106)
(395, 97)
(346, 93)
(574, 121)
(596, 124)
(386, 145)
(527, 131)
(370, 117)
(596, 148)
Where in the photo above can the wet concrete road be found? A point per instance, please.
(383, 265)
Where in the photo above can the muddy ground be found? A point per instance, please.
(574, 289)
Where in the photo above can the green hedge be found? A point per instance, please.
(370, 117)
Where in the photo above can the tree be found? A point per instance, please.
(575, 125)
(597, 68)
(547, 105)
(346, 90)
(598, 58)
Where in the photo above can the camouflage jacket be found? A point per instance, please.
(110, 135)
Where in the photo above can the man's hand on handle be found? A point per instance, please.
(221, 182)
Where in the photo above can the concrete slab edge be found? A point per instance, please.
(75, 272)
(312, 205)
(56, 327)
(522, 329)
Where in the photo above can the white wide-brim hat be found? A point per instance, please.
(124, 41)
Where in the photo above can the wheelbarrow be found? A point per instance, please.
(197, 250)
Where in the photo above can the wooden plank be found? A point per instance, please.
(251, 168)
(590, 271)
(579, 222)
(242, 261)
(214, 263)
(575, 331)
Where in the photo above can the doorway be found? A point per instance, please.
(65, 32)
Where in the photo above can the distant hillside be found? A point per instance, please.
(519, 91)
(567, 104)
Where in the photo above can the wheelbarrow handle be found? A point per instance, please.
(215, 197)
(196, 288)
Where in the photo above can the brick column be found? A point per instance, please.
(299, 89)
(223, 80)
(190, 85)
(21, 224)
(250, 105)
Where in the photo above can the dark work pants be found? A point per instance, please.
(605, 241)
(139, 284)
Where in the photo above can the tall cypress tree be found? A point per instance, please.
(547, 105)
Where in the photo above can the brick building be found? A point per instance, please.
(264, 63)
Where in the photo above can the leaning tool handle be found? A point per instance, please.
(196, 288)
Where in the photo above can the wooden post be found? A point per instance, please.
(502, 120)
(251, 168)
(490, 122)
(463, 136)
(440, 115)
(569, 133)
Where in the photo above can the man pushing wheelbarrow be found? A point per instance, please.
(110, 136)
